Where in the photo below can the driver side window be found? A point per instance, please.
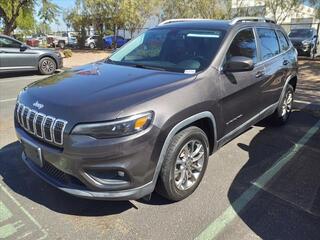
(243, 45)
(8, 43)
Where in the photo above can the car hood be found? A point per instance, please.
(99, 91)
(299, 39)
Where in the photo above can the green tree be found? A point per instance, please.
(211, 9)
(280, 9)
(20, 13)
(136, 13)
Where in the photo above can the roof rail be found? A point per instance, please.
(182, 20)
(251, 19)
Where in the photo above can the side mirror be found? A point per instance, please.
(23, 47)
(238, 64)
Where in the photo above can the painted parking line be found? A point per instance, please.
(8, 100)
(306, 102)
(218, 225)
(10, 229)
(5, 213)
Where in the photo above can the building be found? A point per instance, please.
(302, 13)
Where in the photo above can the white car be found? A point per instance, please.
(91, 41)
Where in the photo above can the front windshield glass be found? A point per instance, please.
(301, 33)
(178, 50)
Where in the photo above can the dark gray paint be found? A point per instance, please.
(102, 92)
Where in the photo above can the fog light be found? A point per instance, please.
(109, 177)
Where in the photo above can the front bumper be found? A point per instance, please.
(303, 48)
(72, 169)
(60, 63)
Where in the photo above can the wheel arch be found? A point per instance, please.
(200, 120)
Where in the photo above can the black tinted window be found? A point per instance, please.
(269, 43)
(8, 43)
(243, 45)
(284, 46)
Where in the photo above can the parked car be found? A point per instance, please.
(305, 40)
(17, 56)
(65, 39)
(110, 41)
(150, 115)
(91, 41)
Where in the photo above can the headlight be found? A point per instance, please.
(58, 53)
(119, 128)
(306, 42)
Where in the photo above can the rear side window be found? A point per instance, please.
(269, 43)
(284, 45)
(243, 45)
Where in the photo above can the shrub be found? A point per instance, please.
(67, 53)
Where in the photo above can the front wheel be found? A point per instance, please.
(91, 45)
(282, 113)
(184, 164)
(47, 66)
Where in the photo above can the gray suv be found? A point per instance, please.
(17, 56)
(149, 116)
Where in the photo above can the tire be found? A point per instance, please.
(47, 66)
(283, 111)
(61, 44)
(180, 176)
(91, 46)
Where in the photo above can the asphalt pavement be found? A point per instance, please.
(263, 184)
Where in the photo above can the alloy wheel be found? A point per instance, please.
(189, 164)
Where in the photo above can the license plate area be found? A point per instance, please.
(33, 152)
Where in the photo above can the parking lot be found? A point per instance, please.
(263, 184)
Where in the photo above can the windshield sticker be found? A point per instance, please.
(190, 71)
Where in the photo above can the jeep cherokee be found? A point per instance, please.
(148, 117)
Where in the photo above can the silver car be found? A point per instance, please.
(17, 56)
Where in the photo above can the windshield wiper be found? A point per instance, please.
(137, 65)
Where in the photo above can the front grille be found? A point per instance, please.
(45, 127)
(60, 176)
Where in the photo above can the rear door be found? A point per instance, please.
(12, 57)
(276, 65)
(240, 90)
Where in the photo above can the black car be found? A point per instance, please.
(149, 116)
(305, 40)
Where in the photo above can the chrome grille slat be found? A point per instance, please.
(40, 125)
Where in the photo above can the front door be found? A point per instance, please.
(240, 90)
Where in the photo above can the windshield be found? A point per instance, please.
(301, 33)
(178, 50)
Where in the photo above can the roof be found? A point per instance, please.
(204, 24)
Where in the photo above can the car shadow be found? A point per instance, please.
(18, 177)
(288, 206)
(23, 74)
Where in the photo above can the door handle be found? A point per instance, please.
(285, 62)
(260, 74)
